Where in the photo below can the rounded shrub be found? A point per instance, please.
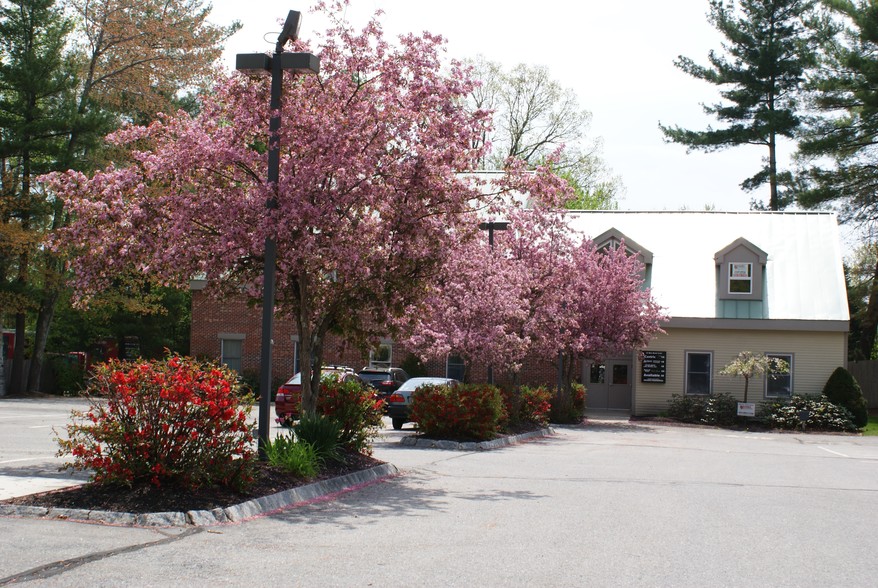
(355, 408)
(175, 421)
(842, 389)
(465, 412)
(808, 412)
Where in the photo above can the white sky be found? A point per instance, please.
(617, 57)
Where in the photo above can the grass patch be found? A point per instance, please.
(872, 427)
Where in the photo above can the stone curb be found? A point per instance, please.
(421, 443)
(217, 516)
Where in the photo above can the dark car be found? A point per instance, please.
(399, 404)
(384, 380)
(289, 394)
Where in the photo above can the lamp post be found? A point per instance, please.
(276, 64)
(492, 226)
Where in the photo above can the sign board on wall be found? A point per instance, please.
(653, 369)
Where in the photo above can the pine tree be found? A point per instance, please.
(37, 84)
(768, 51)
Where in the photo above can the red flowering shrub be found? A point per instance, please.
(174, 421)
(569, 405)
(535, 405)
(356, 410)
(472, 411)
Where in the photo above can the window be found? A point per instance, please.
(455, 368)
(698, 372)
(740, 278)
(777, 384)
(620, 374)
(597, 374)
(297, 364)
(382, 356)
(232, 352)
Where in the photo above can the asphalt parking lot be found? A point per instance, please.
(604, 504)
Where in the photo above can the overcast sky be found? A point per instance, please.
(617, 56)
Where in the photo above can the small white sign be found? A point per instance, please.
(747, 409)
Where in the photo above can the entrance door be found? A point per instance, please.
(608, 384)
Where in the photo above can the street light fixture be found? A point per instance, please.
(258, 63)
(492, 226)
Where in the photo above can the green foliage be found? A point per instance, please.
(528, 405)
(464, 412)
(323, 434)
(845, 92)
(413, 366)
(807, 413)
(843, 390)
(68, 375)
(714, 409)
(768, 52)
(568, 406)
(175, 421)
(296, 457)
(356, 410)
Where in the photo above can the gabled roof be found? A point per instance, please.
(804, 275)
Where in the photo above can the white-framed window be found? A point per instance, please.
(455, 367)
(382, 356)
(740, 278)
(597, 374)
(699, 366)
(777, 384)
(297, 363)
(232, 351)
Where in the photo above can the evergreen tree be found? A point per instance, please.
(846, 96)
(768, 51)
(37, 83)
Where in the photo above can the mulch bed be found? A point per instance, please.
(146, 498)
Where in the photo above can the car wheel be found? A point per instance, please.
(398, 423)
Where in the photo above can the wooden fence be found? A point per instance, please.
(866, 374)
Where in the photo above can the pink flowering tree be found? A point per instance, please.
(543, 292)
(368, 198)
(485, 303)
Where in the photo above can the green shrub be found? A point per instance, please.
(68, 376)
(842, 389)
(323, 434)
(173, 421)
(685, 408)
(296, 457)
(713, 409)
(536, 403)
(472, 411)
(357, 411)
(569, 405)
(818, 412)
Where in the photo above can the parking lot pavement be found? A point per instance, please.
(607, 504)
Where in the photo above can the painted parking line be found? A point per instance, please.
(832, 452)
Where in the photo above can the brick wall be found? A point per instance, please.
(212, 318)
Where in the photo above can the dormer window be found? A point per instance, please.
(613, 239)
(740, 271)
(740, 278)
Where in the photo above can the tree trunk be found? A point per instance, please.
(17, 383)
(773, 202)
(2, 361)
(44, 320)
(870, 320)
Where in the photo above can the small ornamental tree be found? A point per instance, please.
(368, 198)
(175, 421)
(748, 365)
